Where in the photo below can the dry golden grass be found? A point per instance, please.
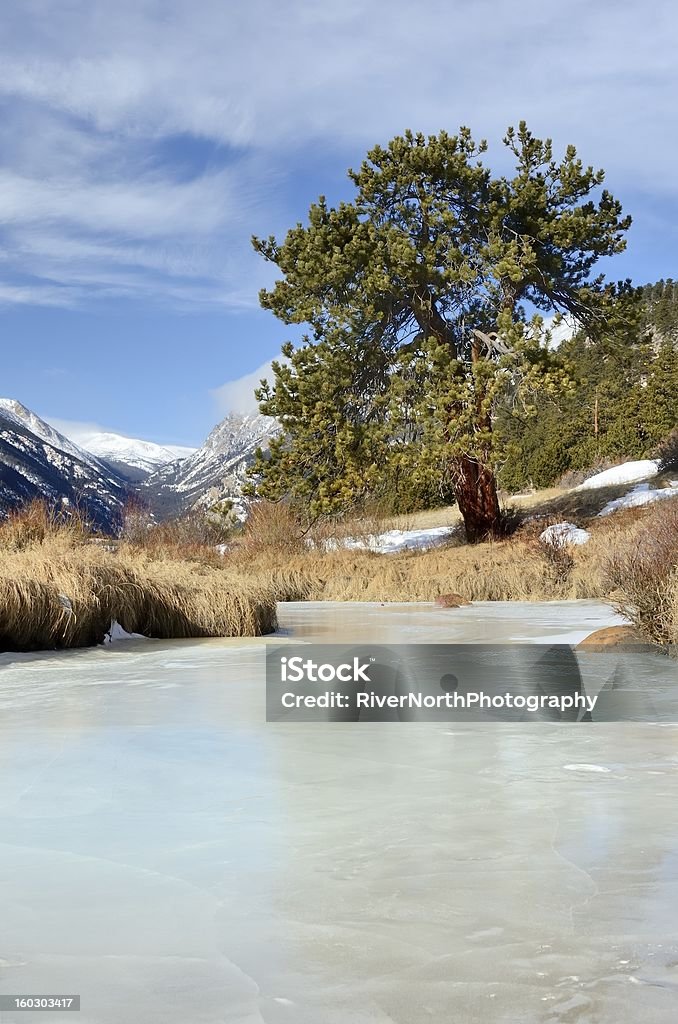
(57, 589)
(450, 515)
(519, 568)
(645, 572)
(555, 502)
(447, 516)
(506, 571)
(512, 570)
(37, 522)
(191, 599)
(672, 617)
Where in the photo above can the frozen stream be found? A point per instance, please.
(175, 860)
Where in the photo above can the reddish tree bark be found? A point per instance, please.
(474, 481)
(476, 492)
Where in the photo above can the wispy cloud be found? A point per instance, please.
(76, 430)
(238, 395)
(82, 432)
(95, 201)
(267, 74)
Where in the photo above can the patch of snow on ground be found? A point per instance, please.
(641, 494)
(564, 533)
(397, 540)
(627, 473)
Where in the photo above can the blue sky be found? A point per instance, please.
(144, 142)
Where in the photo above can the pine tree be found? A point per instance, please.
(430, 271)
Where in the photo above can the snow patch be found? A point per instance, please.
(395, 540)
(627, 473)
(640, 495)
(564, 533)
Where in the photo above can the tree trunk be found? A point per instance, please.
(476, 492)
(474, 483)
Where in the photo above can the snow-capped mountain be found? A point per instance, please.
(17, 413)
(215, 471)
(100, 474)
(131, 457)
(37, 461)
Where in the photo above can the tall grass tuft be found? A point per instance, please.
(37, 522)
(59, 589)
(645, 574)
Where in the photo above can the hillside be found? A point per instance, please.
(40, 463)
(37, 461)
(215, 472)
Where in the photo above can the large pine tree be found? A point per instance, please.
(417, 296)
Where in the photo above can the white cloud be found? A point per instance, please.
(238, 395)
(266, 74)
(84, 431)
(145, 208)
(38, 295)
(102, 92)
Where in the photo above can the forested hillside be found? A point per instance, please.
(623, 402)
(660, 303)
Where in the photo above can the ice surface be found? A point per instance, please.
(176, 860)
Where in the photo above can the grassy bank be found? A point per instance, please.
(519, 569)
(630, 560)
(60, 589)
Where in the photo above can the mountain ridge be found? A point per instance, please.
(216, 471)
(32, 467)
(18, 413)
(132, 457)
(37, 461)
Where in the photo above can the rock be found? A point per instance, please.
(451, 601)
(613, 636)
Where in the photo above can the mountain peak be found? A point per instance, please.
(18, 413)
(36, 461)
(215, 471)
(132, 457)
(239, 428)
